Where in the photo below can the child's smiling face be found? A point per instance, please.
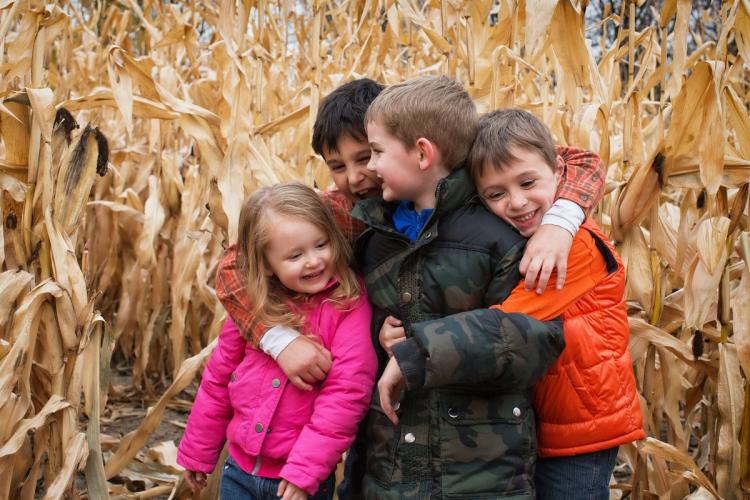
(298, 253)
(348, 168)
(520, 192)
(395, 164)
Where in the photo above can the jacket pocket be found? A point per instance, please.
(382, 440)
(487, 445)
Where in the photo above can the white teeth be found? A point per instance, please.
(525, 218)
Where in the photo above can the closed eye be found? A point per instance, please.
(527, 184)
(494, 195)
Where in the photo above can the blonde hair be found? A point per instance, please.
(437, 108)
(271, 300)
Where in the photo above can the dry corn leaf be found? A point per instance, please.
(134, 441)
(730, 398)
(75, 454)
(668, 452)
(740, 303)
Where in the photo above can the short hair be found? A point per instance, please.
(437, 108)
(342, 112)
(271, 300)
(503, 130)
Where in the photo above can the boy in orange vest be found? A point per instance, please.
(587, 404)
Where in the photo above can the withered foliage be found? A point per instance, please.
(185, 108)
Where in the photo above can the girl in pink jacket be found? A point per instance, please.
(284, 441)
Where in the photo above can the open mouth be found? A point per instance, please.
(525, 218)
(314, 275)
(364, 194)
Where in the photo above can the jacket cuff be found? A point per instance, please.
(412, 361)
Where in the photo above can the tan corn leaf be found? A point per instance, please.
(164, 453)
(637, 259)
(75, 454)
(642, 334)
(568, 43)
(43, 106)
(711, 142)
(668, 452)
(13, 186)
(730, 398)
(134, 441)
(702, 292)
(120, 208)
(122, 86)
(711, 242)
(154, 216)
(640, 193)
(65, 267)
(53, 405)
(664, 225)
(740, 303)
(679, 45)
(538, 19)
(12, 284)
(142, 107)
(23, 333)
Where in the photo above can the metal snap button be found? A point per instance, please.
(276, 383)
(452, 413)
(258, 427)
(428, 235)
(409, 437)
(405, 297)
(516, 412)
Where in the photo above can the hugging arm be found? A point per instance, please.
(484, 345)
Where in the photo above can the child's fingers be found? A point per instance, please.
(282, 488)
(387, 406)
(300, 384)
(532, 272)
(544, 275)
(562, 271)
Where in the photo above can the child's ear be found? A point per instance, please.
(426, 150)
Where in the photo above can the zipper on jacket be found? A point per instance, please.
(256, 467)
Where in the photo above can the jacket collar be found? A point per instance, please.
(451, 192)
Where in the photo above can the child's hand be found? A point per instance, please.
(288, 491)
(389, 388)
(391, 333)
(195, 479)
(546, 251)
(304, 362)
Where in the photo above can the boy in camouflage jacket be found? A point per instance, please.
(465, 426)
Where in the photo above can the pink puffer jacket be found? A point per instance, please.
(274, 429)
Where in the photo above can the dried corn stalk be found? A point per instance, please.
(202, 102)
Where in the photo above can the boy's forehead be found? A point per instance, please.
(346, 145)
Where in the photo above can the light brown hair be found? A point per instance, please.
(270, 298)
(437, 108)
(503, 130)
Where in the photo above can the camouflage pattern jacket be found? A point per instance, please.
(466, 426)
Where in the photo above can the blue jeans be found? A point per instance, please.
(583, 477)
(236, 484)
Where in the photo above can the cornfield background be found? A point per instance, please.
(132, 131)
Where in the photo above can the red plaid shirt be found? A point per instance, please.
(582, 182)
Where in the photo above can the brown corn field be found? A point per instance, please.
(132, 130)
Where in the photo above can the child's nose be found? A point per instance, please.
(371, 164)
(354, 176)
(517, 200)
